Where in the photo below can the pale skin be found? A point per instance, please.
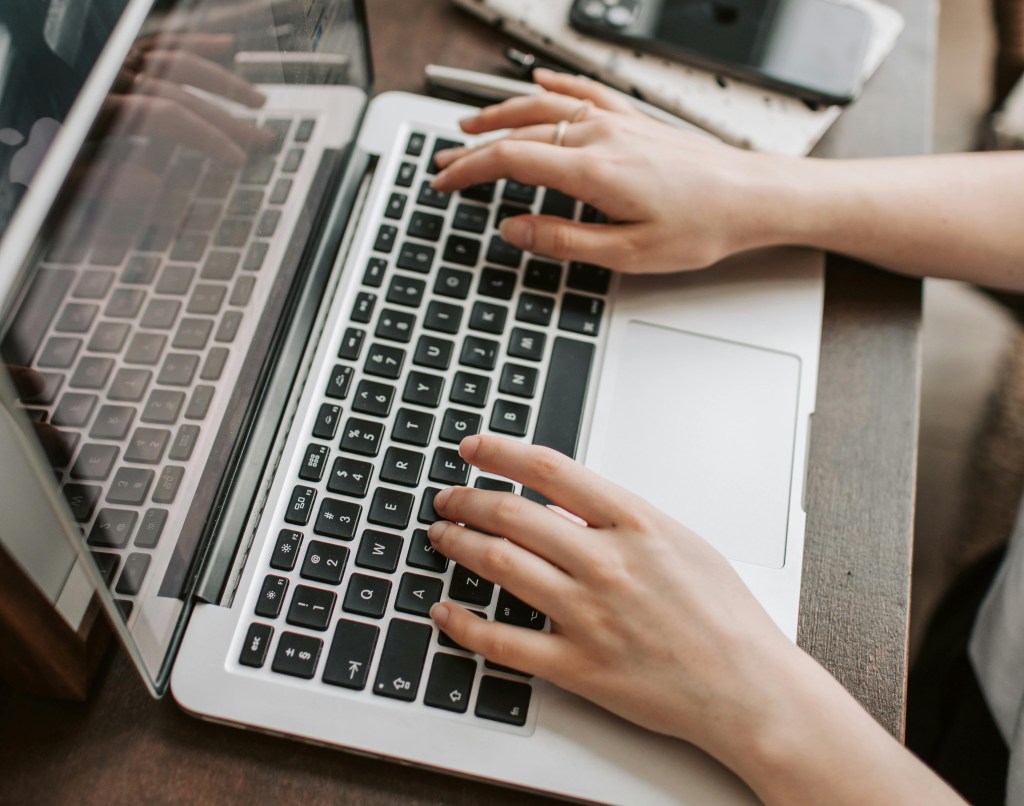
(716, 670)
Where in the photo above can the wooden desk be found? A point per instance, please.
(123, 747)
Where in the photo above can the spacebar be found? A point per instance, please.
(565, 393)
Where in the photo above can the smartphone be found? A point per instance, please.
(814, 49)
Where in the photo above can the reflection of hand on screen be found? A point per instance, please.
(29, 384)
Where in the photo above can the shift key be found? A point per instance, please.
(401, 662)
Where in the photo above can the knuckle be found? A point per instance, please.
(547, 464)
(495, 647)
(557, 240)
(497, 559)
(504, 152)
(508, 509)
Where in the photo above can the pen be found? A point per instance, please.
(498, 88)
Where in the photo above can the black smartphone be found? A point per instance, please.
(814, 49)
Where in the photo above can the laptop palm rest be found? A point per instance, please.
(706, 432)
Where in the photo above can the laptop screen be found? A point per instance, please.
(164, 270)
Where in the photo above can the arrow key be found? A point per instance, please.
(417, 594)
(348, 662)
(450, 682)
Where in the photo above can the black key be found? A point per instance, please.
(112, 528)
(178, 369)
(496, 283)
(558, 204)
(456, 425)
(591, 215)
(429, 197)
(453, 283)
(297, 655)
(433, 352)
(339, 382)
(519, 192)
(220, 266)
(241, 293)
(256, 645)
(151, 528)
(401, 466)
(92, 284)
(581, 314)
(257, 170)
(391, 508)
(379, 551)
(350, 477)
(479, 353)
(416, 257)
(542, 275)
(413, 427)
(448, 467)
(535, 309)
(337, 519)
(422, 553)
(147, 445)
(503, 700)
(175, 280)
(286, 550)
(386, 237)
(406, 291)
(167, 485)
(423, 389)
(228, 328)
(314, 462)
(133, 574)
(189, 247)
(503, 253)
(184, 443)
(43, 299)
(394, 326)
(406, 173)
(415, 145)
(465, 586)
(51, 384)
(300, 506)
(425, 225)
(193, 334)
(384, 361)
(352, 344)
(561, 408)
(60, 352)
(450, 682)
(124, 303)
(255, 256)
(526, 344)
(311, 607)
(518, 380)
(244, 202)
(585, 277)
(95, 462)
(512, 610)
(482, 193)
(401, 660)
(74, 410)
(470, 218)
(427, 514)
(163, 407)
(509, 211)
(441, 144)
(348, 662)
(130, 486)
(443, 317)
(76, 318)
(109, 337)
(445, 640)
(374, 275)
(271, 596)
(304, 131)
(145, 348)
(112, 422)
(462, 250)
(367, 595)
(92, 373)
(232, 232)
(396, 206)
(326, 425)
(510, 418)
(160, 314)
(470, 390)
(362, 311)
(373, 398)
(82, 499)
(417, 594)
(488, 318)
(495, 485)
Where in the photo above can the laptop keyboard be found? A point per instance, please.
(451, 332)
(133, 337)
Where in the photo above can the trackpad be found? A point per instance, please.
(704, 430)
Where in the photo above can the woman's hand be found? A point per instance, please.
(675, 200)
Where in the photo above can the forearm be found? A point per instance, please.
(956, 216)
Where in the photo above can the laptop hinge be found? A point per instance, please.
(221, 574)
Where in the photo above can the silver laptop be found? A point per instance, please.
(239, 378)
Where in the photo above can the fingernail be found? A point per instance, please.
(439, 179)
(443, 158)
(437, 529)
(542, 72)
(442, 497)
(518, 233)
(468, 447)
(439, 613)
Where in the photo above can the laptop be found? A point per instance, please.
(239, 376)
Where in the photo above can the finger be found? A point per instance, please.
(603, 96)
(519, 648)
(525, 110)
(201, 44)
(503, 562)
(140, 114)
(557, 477)
(606, 245)
(27, 382)
(525, 522)
(573, 137)
(184, 67)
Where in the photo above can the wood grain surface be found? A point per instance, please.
(123, 747)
